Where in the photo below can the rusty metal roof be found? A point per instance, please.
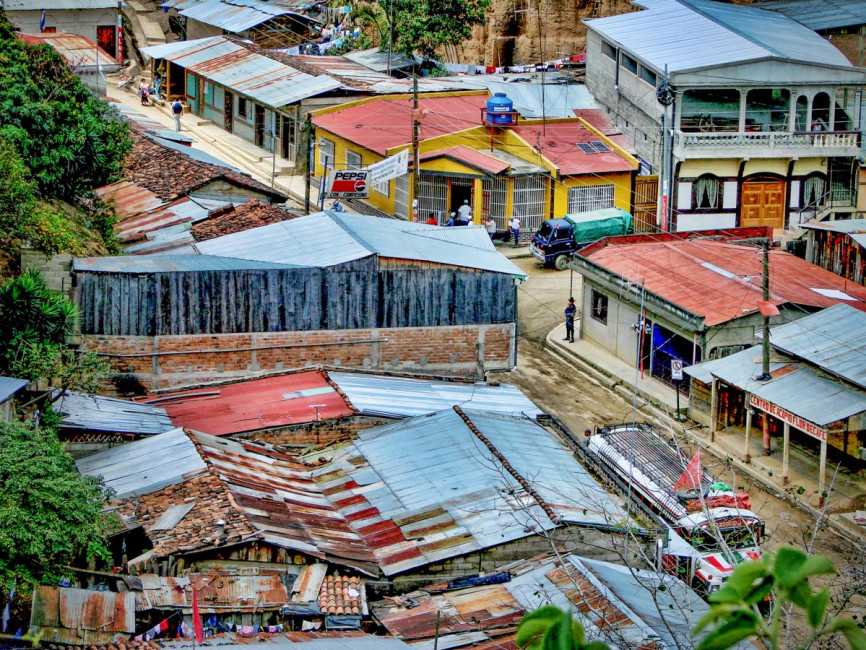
(79, 51)
(237, 16)
(220, 593)
(82, 616)
(262, 79)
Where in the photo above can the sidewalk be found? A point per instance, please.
(658, 402)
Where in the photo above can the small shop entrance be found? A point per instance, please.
(461, 190)
(667, 346)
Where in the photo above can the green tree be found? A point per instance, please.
(423, 26)
(50, 516)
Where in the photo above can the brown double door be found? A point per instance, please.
(762, 203)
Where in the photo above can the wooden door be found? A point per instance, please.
(646, 192)
(763, 204)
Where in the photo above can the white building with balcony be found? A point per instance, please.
(764, 128)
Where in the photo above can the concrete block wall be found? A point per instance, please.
(172, 361)
(56, 269)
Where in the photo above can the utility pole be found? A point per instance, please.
(416, 127)
(765, 283)
(665, 161)
(543, 66)
(309, 163)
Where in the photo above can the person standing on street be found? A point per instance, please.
(450, 221)
(570, 311)
(144, 92)
(490, 224)
(464, 214)
(431, 220)
(177, 111)
(514, 227)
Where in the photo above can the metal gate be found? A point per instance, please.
(432, 196)
(401, 197)
(646, 192)
(494, 197)
(529, 203)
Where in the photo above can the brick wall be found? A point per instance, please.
(316, 433)
(170, 361)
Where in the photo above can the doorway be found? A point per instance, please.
(229, 106)
(666, 347)
(763, 203)
(461, 190)
(106, 38)
(260, 125)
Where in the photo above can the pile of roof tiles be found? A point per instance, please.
(341, 595)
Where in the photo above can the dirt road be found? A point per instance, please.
(581, 402)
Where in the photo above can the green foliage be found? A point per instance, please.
(734, 615)
(49, 514)
(424, 25)
(70, 140)
(549, 628)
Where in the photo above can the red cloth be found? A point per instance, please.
(691, 478)
(163, 626)
(741, 501)
(196, 619)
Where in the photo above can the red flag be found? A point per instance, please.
(196, 619)
(691, 478)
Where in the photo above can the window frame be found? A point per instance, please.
(608, 50)
(604, 298)
(642, 69)
(243, 108)
(383, 188)
(327, 148)
(623, 57)
(353, 165)
(696, 206)
(592, 202)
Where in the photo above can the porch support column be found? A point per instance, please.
(822, 472)
(766, 420)
(477, 201)
(748, 448)
(786, 436)
(742, 126)
(714, 402)
(792, 112)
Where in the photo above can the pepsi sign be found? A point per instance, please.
(348, 184)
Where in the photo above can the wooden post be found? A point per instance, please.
(714, 402)
(748, 450)
(416, 129)
(766, 428)
(786, 436)
(822, 473)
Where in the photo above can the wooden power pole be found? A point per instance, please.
(416, 127)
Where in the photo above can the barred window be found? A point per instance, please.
(590, 197)
(326, 153)
(353, 160)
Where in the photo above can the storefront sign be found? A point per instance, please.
(794, 420)
(392, 167)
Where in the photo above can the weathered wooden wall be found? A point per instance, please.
(356, 296)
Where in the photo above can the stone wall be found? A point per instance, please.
(172, 361)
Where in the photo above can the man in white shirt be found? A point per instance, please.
(491, 226)
(464, 213)
(514, 226)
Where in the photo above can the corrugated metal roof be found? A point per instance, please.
(258, 77)
(692, 34)
(794, 386)
(379, 60)
(9, 386)
(157, 592)
(833, 339)
(426, 489)
(191, 152)
(99, 413)
(145, 466)
(78, 50)
(559, 100)
(329, 238)
(405, 397)
(82, 616)
(559, 143)
(353, 74)
(255, 404)
(218, 592)
(169, 264)
(56, 5)
(463, 154)
(841, 225)
(171, 517)
(304, 641)
(820, 14)
(717, 280)
(235, 16)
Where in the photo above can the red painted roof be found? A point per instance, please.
(470, 157)
(558, 143)
(384, 123)
(696, 275)
(256, 404)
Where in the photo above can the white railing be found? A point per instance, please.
(772, 139)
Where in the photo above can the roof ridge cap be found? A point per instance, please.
(339, 221)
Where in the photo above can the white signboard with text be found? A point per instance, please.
(392, 167)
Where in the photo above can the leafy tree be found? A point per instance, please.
(34, 325)
(549, 628)
(425, 25)
(49, 514)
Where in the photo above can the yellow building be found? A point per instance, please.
(531, 169)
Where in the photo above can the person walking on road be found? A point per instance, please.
(514, 227)
(464, 214)
(177, 111)
(570, 311)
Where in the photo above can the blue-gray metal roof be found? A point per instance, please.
(693, 34)
(169, 264)
(147, 465)
(9, 386)
(192, 152)
(400, 397)
(99, 413)
(377, 60)
(840, 225)
(228, 64)
(57, 5)
(834, 339)
(794, 386)
(369, 642)
(820, 14)
(236, 16)
(559, 100)
(329, 238)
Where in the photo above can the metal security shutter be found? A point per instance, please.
(401, 197)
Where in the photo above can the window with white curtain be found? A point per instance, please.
(706, 193)
(813, 191)
(590, 197)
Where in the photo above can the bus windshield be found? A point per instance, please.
(736, 536)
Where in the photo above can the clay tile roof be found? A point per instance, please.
(341, 594)
(252, 214)
(171, 174)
